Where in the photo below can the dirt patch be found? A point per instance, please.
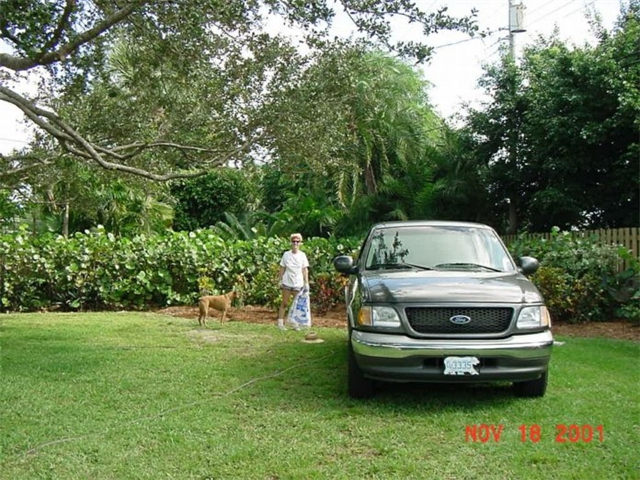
(336, 318)
(618, 329)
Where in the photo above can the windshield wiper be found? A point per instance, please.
(389, 266)
(398, 266)
(466, 264)
(421, 267)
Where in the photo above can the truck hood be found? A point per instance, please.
(449, 287)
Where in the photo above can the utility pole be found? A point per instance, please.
(516, 25)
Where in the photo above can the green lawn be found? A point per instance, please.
(124, 395)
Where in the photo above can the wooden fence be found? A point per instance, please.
(627, 237)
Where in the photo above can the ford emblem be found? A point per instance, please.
(460, 319)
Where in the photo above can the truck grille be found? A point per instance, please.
(436, 320)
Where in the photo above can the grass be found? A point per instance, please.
(124, 395)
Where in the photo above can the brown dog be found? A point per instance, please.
(222, 303)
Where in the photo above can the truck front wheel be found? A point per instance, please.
(359, 386)
(532, 388)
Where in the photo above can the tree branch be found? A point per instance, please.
(23, 169)
(17, 64)
(37, 115)
(62, 22)
(73, 142)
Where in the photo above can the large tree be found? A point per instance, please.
(497, 131)
(559, 137)
(170, 89)
(377, 132)
(582, 130)
(460, 186)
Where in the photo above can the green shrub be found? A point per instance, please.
(96, 270)
(625, 287)
(554, 284)
(580, 278)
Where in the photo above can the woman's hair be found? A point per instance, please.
(296, 236)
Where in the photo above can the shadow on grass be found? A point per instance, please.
(316, 375)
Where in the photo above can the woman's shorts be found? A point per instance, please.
(291, 289)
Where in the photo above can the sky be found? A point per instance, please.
(455, 69)
(457, 64)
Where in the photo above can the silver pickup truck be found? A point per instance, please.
(434, 301)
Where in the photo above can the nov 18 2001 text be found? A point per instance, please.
(563, 433)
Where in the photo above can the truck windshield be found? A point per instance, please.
(437, 247)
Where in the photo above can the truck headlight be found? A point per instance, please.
(534, 317)
(378, 317)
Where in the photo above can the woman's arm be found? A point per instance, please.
(280, 274)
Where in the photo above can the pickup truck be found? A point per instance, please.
(436, 301)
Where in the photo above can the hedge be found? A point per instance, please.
(96, 270)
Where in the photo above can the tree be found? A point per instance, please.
(71, 196)
(582, 129)
(193, 59)
(574, 115)
(373, 135)
(389, 131)
(496, 131)
(202, 202)
(389, 115)
(9, 210)
(460, 184)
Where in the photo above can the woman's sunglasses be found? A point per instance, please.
(296, 241)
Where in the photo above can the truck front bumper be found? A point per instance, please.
(399, 358)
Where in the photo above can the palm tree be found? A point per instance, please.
(393, 131)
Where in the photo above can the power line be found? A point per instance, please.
(542, 6)
(495, 50)
(581, 9)
(2, 139)
(461, 41)
(553, 11)
(537, 20)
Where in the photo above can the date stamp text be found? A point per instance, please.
(563, 433)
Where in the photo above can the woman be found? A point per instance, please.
(293, 275)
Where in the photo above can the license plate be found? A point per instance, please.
(460, 365)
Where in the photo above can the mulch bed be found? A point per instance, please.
(336, 318)
(618, 329)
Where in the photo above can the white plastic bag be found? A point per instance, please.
(300, 311)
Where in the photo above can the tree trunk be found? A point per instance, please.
(65, 221)
(370, 180)
(513, 219)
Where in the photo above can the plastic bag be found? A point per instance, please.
(300, 311)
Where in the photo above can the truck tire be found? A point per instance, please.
(359, 386)
(532, 388)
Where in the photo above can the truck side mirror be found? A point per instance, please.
(528, 265)
(344, 264)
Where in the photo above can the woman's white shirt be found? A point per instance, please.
(293, 264)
